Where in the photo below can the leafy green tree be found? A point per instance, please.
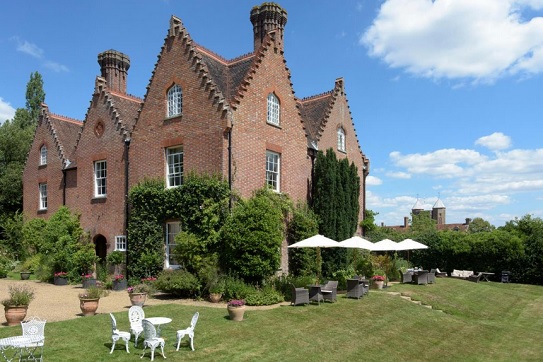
(368, 224)
(478, 225)
(15, 140)
(251, 238)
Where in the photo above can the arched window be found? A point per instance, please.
(175, 101)
(340, 139)
(43, 155)
(273, 109)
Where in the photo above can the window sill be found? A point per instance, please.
(175, 118)
(42, 166)
(344, 152)
(42, 211)
(278, 126)
(99, 200)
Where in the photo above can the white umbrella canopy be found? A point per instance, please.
(315, 241)
(357, 242)
(385, 245)
(410, 244)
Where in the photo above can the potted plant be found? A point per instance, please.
(61, 278)
(378, 281)
(88, 300)
(16, 305)
(25, 274)
(215, 291)
(88, 280)
(236, 309)
(119, 282)
(138, 293)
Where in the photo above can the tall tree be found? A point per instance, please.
(15, 140)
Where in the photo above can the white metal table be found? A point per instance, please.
(19, 347)
(159, 321)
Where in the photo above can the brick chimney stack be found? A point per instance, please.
(114, 68)
(265, 18)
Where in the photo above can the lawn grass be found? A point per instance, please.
(477, 322)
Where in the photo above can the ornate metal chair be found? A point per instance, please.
(135, 316)
(188, 332)
(117, 334)
(151, 339)
(35, 329)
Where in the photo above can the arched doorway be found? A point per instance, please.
(100, 247)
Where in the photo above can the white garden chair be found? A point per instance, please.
(117, 334)
(135, 316)
(35, 329)
(151, 339)
(188, 332)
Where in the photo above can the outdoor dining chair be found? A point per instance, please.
(188, 332)
(355, 289)
(420, 277)
(34, 328)
(135, 316)
(405, 277)
(329, 291)
(151, 339)
(299, 295)
(116, 334)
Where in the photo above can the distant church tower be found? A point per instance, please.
(438, 212)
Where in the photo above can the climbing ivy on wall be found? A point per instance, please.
(201, 204)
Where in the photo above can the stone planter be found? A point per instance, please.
(88, 306)
(25, 275)
(215, 297)
(60, 281)
(138, 298)
(15, 314)
(378, 284)
(119, 284)
(236, 313)
(89, 283)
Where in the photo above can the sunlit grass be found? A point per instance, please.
(475, 322)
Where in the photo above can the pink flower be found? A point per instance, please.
(378, 278)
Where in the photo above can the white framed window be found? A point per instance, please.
(172, 229)
(175, 101)
(43, 196)
(100, 178)
(174, 166)
(273, 109)
(341, 139)
(43, 155)
(273, 168)
(120, 242)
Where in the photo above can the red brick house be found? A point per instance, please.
(239, 118)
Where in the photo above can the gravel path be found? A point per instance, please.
(55, 303)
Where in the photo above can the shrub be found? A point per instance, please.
(265, 296)
(235, 288)
(94, 292)
(178, 282)
(5, 266)
(19, 295)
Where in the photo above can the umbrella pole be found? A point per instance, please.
(319, 264)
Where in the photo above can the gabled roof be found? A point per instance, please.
(64, 131)
(122, 108)
(314, 111)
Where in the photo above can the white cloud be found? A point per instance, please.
(445, 163)
(400, 175)
(6, 111)
(31, 49)
(456, 39)
(56, 67)
(495, 142)
(373, 181)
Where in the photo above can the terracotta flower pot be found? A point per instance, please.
(215, 297)
(138, 298)
(88, 306)
(236, 313)
(15, 314)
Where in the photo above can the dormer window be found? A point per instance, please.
(273, 109)
(175, 101)
(43, 155)
(340, 139)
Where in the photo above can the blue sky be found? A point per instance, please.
(446, 95)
